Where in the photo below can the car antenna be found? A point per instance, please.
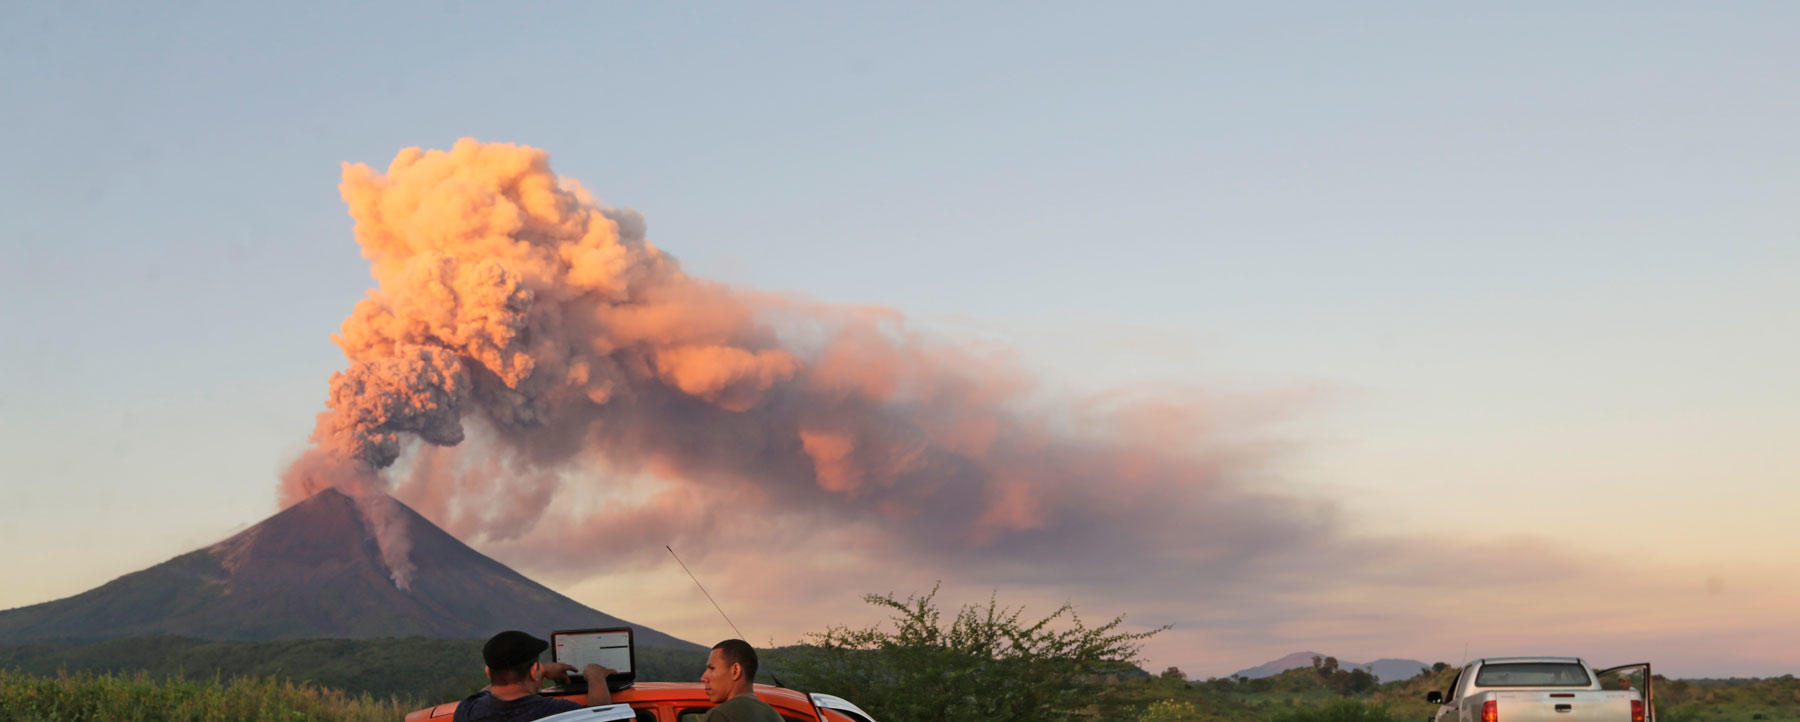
(715, 603)
(709, 596)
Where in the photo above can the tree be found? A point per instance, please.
(986, 663)
(1359, 681)
(1174, 673)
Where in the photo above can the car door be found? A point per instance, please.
(603, 713)
(1446, 711)
(1635, 676)
(842, 707)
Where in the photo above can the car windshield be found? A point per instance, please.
(1532, 674)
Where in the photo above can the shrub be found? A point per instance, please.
(140, 697)
(986, 663)
(1340, 711)
(1170, 710)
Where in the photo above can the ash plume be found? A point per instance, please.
(525, 342)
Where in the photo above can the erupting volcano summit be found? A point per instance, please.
(315, 570)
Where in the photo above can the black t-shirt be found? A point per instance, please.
(485, 707)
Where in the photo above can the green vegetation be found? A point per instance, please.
(1297, 695)
(415, 668)
(986, 663)
(1343, 710)
(142, 697)
(1170, 710)
(1311, 695)
(1728, 700)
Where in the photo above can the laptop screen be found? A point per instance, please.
(610, 647)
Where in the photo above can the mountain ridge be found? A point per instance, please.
(1385, 669)
(317, 570)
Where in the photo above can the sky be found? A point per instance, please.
(1450, 331)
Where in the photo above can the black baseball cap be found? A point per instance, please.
(512, 648)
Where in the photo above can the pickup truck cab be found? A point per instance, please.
(1543, 689)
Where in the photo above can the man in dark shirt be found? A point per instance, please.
(729, 680)
(514, 677)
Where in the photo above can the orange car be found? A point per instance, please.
(687, 702)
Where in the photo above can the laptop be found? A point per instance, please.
(610, 647)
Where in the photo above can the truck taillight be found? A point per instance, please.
(1490, 712)
(1637, 710)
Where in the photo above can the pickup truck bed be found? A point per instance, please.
(1555, 706)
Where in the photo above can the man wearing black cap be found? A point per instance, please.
(514, 676)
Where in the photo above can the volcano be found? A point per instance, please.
(312, 571)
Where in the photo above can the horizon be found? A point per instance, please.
(1344, 663)
(1387, 330)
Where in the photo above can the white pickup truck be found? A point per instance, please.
(1545, 689)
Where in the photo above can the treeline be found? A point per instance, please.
(1306, 694)
(1320, 695)
(1728, 700)
(980, 661)
(416, 670)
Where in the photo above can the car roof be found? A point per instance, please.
(1519, 660)
(667, 691)
(650, 692)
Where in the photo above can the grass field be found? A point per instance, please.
(170, 678)
(413, 668)
(141, 697)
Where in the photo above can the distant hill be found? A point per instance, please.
(312, 571)
(1385, 670)
(1394, 670)
(1277, 666)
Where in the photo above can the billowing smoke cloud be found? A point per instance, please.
(516, 314)
(532, 373)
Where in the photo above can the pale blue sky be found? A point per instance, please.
(1534, 248)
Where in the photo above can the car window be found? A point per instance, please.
(1532, 674)
(695, 714)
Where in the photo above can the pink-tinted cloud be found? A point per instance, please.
(556, 389)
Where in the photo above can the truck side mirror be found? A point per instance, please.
(1434, 697)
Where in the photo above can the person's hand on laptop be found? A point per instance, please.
(558, 671)
(596, 673)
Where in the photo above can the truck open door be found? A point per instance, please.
(1635, 676)
(603, 713)
(841, 706)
